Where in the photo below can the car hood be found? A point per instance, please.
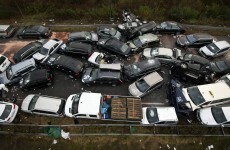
(117, 35)
(76, 34)
(131, 45)
(38, 56)
(206, 117)
(146, 52)
(93, 57)
(182, 40)
(133, 90)
(26, 102)
(68, 106)
(206, 51)
(102, 41)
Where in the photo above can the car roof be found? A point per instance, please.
(109, 73)
(153, 78)
(110, 66)
(214, 91)
(148, 37)
(148, 63)
(37, 74)
(23, 64)
(75, 44)
(197, 58)
(222, 44)
(115, 43)
(50, 44)
(4, 27)
(165, 51)
(167, 114)
(48, 103)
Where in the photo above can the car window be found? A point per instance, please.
(93, 116)
(195, 95)
(137, 42)
(218, 114)
(142, 85)
(43, 112)
(6, 112)
(33, 102)
(2, 59)
(152, 116)
(74, 109)
(44, 51)
(9, 73)
(213, 48)
(154, 51)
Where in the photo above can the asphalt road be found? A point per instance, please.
(64, 86)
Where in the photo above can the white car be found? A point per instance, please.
(4, 63)
(215, 49)
(49, 48)
(214, 116)
(144, 41)
(159, 115)
(43, 105)
(8, 112)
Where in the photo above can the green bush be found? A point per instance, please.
(183, 13)
(216, 11)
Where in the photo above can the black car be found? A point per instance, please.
(37, 32)
(108, 32)
(84, 36)
(141, 68)
(78, 48)
(196, 40)
(114, 46)
(145, 28)
(169, 27)
(27, 51)
(66, 64)
(193, 72)
(37, 78)
(220, 67)
(108, 75)
(195, 59)
(176, 98)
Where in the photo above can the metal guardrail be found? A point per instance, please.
(120, 129)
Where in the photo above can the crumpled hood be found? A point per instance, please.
(146, 52)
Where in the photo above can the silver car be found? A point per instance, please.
(164, 55)
(146, 84)
(43, 105)
(215, 49)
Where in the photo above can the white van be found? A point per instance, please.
(6, 31)
(206, 95)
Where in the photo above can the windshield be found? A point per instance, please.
(9, 73)
(6, 112)
(124, 48)
(152, 116)
(154, 51)
(221, 65)
(195, 95)
(94, 73)
(213, 48)
(75, 104)
(136, 69)
(33, 102)
(142, 85)
(191, 38)
(98, 59)
(87, 35)
(218, 115)
(163, 25)
(137, 42)
(2, 59)
(44, 51)
(41, 29)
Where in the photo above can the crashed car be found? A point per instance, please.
(144, 41)
(195, 59)
(164, 55)
(141, 68)
(99, 58)
(49, 48)
(84, 36)
(114, 46)
(130, 17)
(191, 72)
(196, 40)
(4, 63)
(37, 32)
(215, 49)
(143, 29)
(105, 74)
(169, 27)
(220, 67)
(108, 32)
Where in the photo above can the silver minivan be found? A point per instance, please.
(15, 72)
(6, 31)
